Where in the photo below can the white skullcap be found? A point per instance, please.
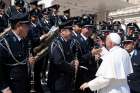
(115, 38)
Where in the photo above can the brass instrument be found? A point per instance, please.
(40, 51)
(31, 67)
(45, 40)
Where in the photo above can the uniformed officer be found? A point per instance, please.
(3, 17)
(87, 19)
(41, 7)
(45, 21)
(130, 30)
(35, 8)
(14, 57)
(104, 25)
(66, 15)
(62, 66)
(84, 38)
(116, 26)
(55, 18)
(134, 24)
(36, 23)
(77, 27)
(88, 61)
(134, 78)
(17, 8)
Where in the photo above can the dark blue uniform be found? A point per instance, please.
(56, 20)
(37, 12)
(61, 72)
(3, 23)
(13, 64)
(46, 25)
(134, 78)
(87, 61)
(34, 36)
(11, 11)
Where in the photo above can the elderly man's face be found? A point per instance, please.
(108, 42)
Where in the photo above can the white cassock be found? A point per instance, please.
(112, 73)
(104, 52)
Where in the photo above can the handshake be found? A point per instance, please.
(96, 52)
(7, 90)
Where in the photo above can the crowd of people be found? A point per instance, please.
(80, 55)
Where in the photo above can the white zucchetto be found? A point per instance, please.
(115, 38)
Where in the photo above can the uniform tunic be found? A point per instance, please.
(13, 74)
(60, 78)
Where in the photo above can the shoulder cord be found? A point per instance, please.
(77, 43)
(8, 47)
(60, 47)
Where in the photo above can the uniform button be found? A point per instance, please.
(19, 55)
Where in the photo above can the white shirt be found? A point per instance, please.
(65, 17)
(17, 36)
(74, 33)
(131, 54)
(34, 24)
(112, 74)
(46, 21)
(85, 38)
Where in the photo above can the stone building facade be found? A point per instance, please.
(128, 14)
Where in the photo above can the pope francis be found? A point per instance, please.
(111, 76)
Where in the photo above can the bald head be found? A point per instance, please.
(113, 39)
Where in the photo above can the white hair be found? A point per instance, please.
(115, 38)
